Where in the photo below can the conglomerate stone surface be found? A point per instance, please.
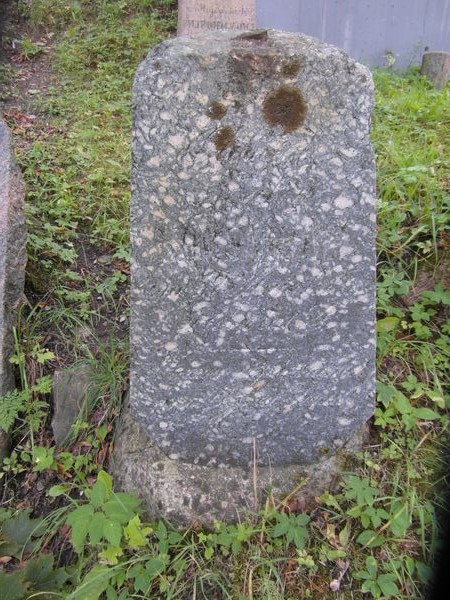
(12, 259)
(253, 264)
(186, 493)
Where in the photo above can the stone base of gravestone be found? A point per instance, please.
(12, 260)
(185, 493)
(253, 266)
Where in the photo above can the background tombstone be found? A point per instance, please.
(196, 16)
(253, 270)
(12, 260)
(436, 67)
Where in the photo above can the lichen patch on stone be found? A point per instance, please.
(291, 67)
(285, 106)
(216, 110)
(224, 138)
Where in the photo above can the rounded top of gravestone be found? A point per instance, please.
(265, 52)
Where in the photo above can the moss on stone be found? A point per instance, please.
(286, 107)
(224, 138)
(216, 110)
(291, 68)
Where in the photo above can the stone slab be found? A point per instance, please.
(253, 249)
(12, 258)
(72, 391)
(196, 16)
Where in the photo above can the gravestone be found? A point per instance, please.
(253, 270)
(196, 16)
(436, 67)
(12, 260)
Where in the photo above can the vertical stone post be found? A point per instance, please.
(12, 260)
(253, 270)
(436, 68)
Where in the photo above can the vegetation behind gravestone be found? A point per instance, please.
(63, 530)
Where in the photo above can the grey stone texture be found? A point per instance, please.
(72, 390)
(187, 493)
(12, 259)
(436, 67)
(253, 254)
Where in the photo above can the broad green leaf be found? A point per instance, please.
(135, 534)
(402, 404)
(18, 533)
(423, 571)
(93, 585)
(329, 500)
(111, 554)
(387, 324)
(174, 538)
(385, 393)
(161, 530)
(333, 554)
(80, 514)
(371, 566)
(283, 525)
(155, 566)
(12, 586)
(437, 397)
(371, 587)
(117, 511)
(122, 507)
(300, 535)
(80, 521)
(58, 490)
(142, 580)
(400, 519)
(40, 573)
(438, 295)
(302, 519)
(111, 593)
(344, 535)
(97, 495)
(107, 481)
(360, 489)
(370, 539)
(112, 531)
(102, 489)
(387, 585)
(426, 414)
(96, 528)
(362, 575)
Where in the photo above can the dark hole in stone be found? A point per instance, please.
(285, 106)
(256, 35)
(291, 68)
(224, 138)
(216, 110)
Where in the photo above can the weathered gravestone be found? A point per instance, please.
(436, 67)
(253, 269)
(195, 16)
(12, 260)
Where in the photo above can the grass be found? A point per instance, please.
(63, 530)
